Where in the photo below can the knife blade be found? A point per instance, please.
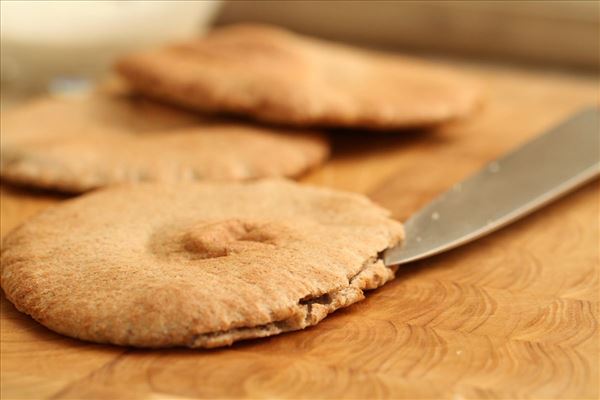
(542, 170)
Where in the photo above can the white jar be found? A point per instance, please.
(45, 40)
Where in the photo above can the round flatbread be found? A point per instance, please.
(198, 265)
(277, 76)
(78, 144)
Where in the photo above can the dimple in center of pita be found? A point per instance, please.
(231, 236)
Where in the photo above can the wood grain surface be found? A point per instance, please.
(514, 315)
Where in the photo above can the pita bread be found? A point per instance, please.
(198, 265)
(277, 76)
(79, 144)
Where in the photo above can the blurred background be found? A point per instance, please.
(61, 45)
(555, 32)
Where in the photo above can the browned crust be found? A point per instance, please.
(309, 311)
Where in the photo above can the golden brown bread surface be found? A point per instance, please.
(274, 75)
(78, 144)
(199, 265)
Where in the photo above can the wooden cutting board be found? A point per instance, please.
(512, 315)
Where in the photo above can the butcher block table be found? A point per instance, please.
(513, 315)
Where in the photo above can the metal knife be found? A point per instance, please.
(507, 189)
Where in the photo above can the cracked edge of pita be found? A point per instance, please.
(308, 311)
